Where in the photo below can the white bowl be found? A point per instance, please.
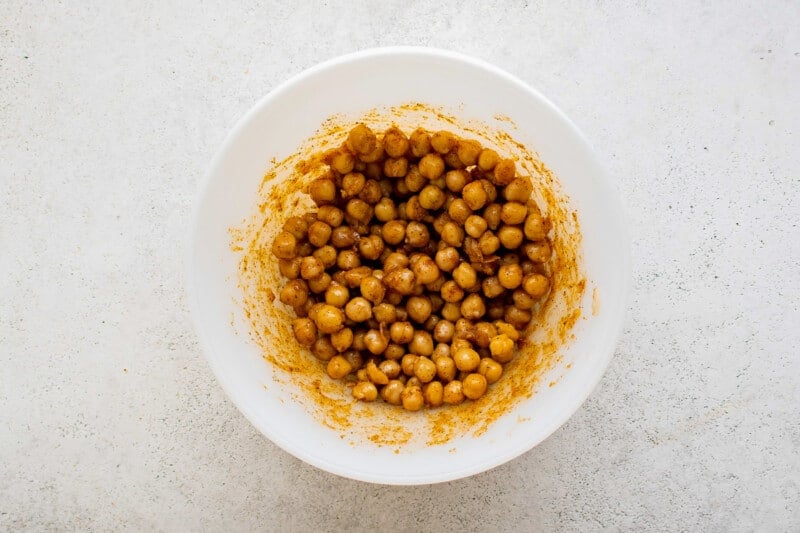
(274, 128)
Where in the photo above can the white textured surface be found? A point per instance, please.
(109, 415)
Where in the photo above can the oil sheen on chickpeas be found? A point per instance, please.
(422, 265)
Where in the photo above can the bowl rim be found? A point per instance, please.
(572, 404)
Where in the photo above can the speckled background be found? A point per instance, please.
(110, 417)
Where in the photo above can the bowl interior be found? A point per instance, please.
(275, 128)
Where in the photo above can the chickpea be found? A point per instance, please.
(394, 352)
(505, 171)
(401, 332)
(371, 247)
(451, 292)
(473, 308)
(342, 162)
(358, 309)
(400, 280)
(488, 243)
(412, 398)
(443, 331)
(375, 374)
(519, 190)
(453, 393)
(339, 367)
(431, 166)
(372, 289)
(466, 359)
(395, 142)
(365, 391)
(459, 211)
(330, 215)
(323, 349)
(311, 268)
(360, 210)
(519, 318)
(290, 268)
(375, 342)
(395, 167)
(536, 285)
(319, 284)
(391, 392)
(488, 159)
(419, 308)
(441, 350)
(507, 329)
(455, 180)
(425, 270)
(408, 363)
(414, 210)
(493, 215)
(490, 369)
(421, 343)
(322, 191)
(394, 232)
(304, 249)
(385, 210)
(447, 259)
(342, 339)
(502, 348)
(384, 312)
(424, 369)
(420, 142)
(483, 333)
(474, 386)
(490, 190)
(433, 393)
(391, 369)
(452, 234)
(510, 276)
(431, 197)
(463, 328)
(329, 319)
(296, 226)
(284, 246)
(534, 227)
(451, 311)
(417, 234)
(294, 293)
(361, 140)
(343, 237)
(348, 259)
(523, 300)
(537, 252)
(304, 331)
(327, 255)
(414, 180)
(465, 276)
(371, 193)
(443, 141)
(510, 237)
(352, 183)
(474, 195)
(354, 276)
(491, 287)
(468, 152)
(475, 226)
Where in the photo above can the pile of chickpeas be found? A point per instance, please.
(422, 266)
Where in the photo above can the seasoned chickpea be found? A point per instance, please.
(311, 268)
(284, 246)
(290, 268)
(319, 284)
(537, 252)
(395, 142)
(523, 300)
(519, 190)
(425, 270)
(327, 255)
(474, 195)
(375, 374)
(490, 369)
(384, 312)
(489, 243)
(510, 276)
(375, 341)
(491, 287)
(510, 237)
(502, 348)
(455, 180)
(488, 159)
(371, 247)
(536, 285)
(492, 215)
(343, 162)
(451, 311)
(421, 343)
(361, 139)
(431, 197)
(483, 333)
(365, 391)
(465, 276)
(459, 210)
(354, 276)
(391, 369)
(474, 386)
(304, 331)
(372, 289)
(343, 237)
(412, 398)
(473, 308)
(331, 215)
(294, 293)
(445, 368)
(385, 210)
(371, 193)
(353, 183)
(468, 152)
(431, 166)
(342, 339)
(391, 392)
(329, 319)
(513, 213)
(323, 349)
(447, 258)
(401, 332)
(433, 393)
(400, 280)
(534, 227)
(358, 309)
(359, 210)
(424, 369)
(420, 142)
(441, 350)
(339, 367)
(417, 234)
(419, 308)
(519, 318)
(394, 352)
(394, 232)
(443, 331)
(451, 292)
(322, 191)
(395, 167)
(348, 259)
(443, 141)
(505, 171)
(453, 393)
(466, 359)
(490, 190)
(475, 226)
(408, 363)
(414, 180)
(507, 329)
(452, 234)
(296, 226)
